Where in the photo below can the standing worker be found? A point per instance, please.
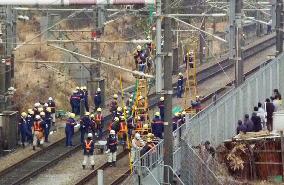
(30, 122)
(75, 102)
(99, 122)
(47, 121)
(137, 145)
(51, 104)
(23, 128)
(98, 99)
(269, 108)
(112, 148)
(86, 98)
(88, 148)
(113, 105)
(69, 129)
(38, 132)
(84, 125)
(161, 106)
(158, 126)
(180, 85)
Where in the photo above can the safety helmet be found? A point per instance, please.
(138, 118)
(50, 99)
(145, 126)
(75, 91)
(92, 116)
(149, 135)
(180, 74)
(148, 37)
(162, 98)
(45, 105)
(40, 109)
(115, 96)
(99, 109)
(37, 104)
(32, 112)
(77, 88)
(48, 109)
(197, 97)
(87, 113)
(42, 113)
(23, 114)
(112, 132)
(176, 114)
(37, 117)
(72, 115)
(119, 109)
(183, 113)
(127, 112)
(122, 118)
(157, 114)
(139, 48)
(90, 135)
(140, 97)
(131, 96)
(137, 136)
(149, 140)
(116, 119)
(130, 100)
(125, 107)
(99, 89)
(84, 88)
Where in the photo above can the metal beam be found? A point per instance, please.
(103, 62)
(279, 27)
(77, 2)
(102, 41)
(198, 15)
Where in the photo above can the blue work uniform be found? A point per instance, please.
(47, 125)
(179, 87)
(75, 103)
(85, 97)
(97, 100)
(161, 106)
(69, 131)
(175, 122)
(158, 127)
(23, 129)
(85, 123)
(30, 122)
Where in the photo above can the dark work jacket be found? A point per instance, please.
(249, 125)
(52, 105)
(85, 123)
(270, 109)
(257, 123)
(97, 99)
(241, 128)
(157, 126)
(112, 143)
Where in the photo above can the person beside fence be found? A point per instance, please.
(112, 148)
(269, 108)
(261, 113)
(137, 145)
(241, 127)
(248, 123)
(256, 121)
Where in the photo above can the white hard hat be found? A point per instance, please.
(162, 98)
(77, 88)
(99, 89)
(84, 88)
(90, 135)
(50, 99)
(92, 116)
(138, 118)
(42, 113)
(137, 136)
(112, 132)
(176, 114)
(157, 114)
(130, 100)
(40, 109)
(115, 96)
(197, 96)
(87, 113)
(148, 37)
(75, 91)
(37, 104)
(45, 105)
(183, 113)
(99, 109)
(116, 119)
(140, 97)
(180, 74)
(139, 48)
(119, 109)
(37, 117)
(48, 109)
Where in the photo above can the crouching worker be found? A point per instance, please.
(37, 132)
(88, 148)
(112, 148)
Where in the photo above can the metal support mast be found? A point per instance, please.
(279, 27)
(159, 81)
(236, 39)
(168, 158)
(202, 43)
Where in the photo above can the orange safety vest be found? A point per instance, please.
(123, 127)
(139, 126)
(88, 145)
(37, 126)
(98, 118)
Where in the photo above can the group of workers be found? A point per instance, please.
(79, 95)
(262, 116)
(142, 57)
(34, 126)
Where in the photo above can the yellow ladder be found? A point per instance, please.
(191, 81)
(141, 106)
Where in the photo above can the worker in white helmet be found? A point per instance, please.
(88, 149)
(51, 104)
(114, 105)
(137, 55)
(112, 148)
(37, 132)
(99, 118)
(23, 128)
(98, 99)
(161, 106)
(180, 85)
(69, 129)
(137, 145)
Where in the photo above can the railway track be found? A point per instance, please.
(49, 156)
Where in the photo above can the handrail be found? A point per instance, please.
(149, 172)
(174, 173)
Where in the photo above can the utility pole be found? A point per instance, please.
(202, 36)
(159, 81)
(279, 27)
(95, 69)
(168, 91)
(236, 39)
